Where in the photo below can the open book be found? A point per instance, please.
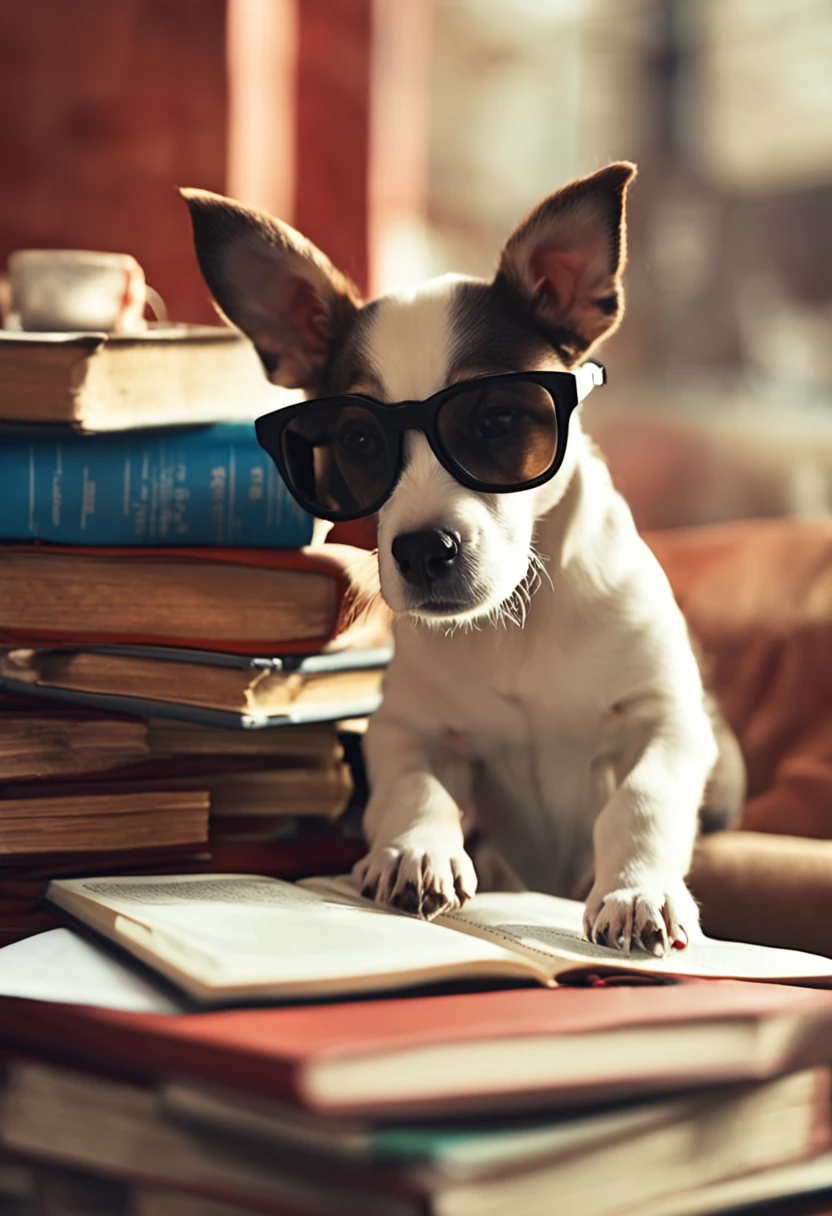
(233, 937)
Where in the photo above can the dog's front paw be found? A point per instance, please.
(416, 877)
(654, 917)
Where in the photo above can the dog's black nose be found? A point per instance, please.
(423, 557)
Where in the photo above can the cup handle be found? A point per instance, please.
(156, 304)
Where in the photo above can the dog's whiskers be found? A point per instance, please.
(515, 608)
(537, 564)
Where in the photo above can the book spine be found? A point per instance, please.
(205, 486)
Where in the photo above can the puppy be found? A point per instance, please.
(543, 672)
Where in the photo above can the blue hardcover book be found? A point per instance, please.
(210, 485)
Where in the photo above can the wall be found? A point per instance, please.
(106, 106)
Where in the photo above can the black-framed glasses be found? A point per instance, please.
(341, 456)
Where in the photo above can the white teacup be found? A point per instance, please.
(73, 289)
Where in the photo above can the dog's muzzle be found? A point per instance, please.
(432, 563)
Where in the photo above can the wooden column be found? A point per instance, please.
(262, 83)
(333, 129)
(399, 169)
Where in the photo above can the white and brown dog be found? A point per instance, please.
(543, 672)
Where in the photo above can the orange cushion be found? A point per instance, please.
(758, 597)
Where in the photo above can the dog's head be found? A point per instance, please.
(446, 553)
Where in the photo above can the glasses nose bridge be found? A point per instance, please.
(417, 417)
(413, 416)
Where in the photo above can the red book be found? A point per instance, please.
(449, 1054)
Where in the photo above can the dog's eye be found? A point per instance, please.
(358, 441)
(497, 422)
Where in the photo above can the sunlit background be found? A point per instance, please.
(408, 137)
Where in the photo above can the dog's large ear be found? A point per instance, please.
(271, 283)
(567, 257)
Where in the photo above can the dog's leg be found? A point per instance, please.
(725, 792)
(643, 843)
(417, 859)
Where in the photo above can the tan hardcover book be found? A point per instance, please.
(118, 1130)
(313, 744)
(101, 822)
(595, 1165)
(308, 790)
(246, 601)
(251, 692)
(319, 792)
(37, 745)
(170, 375)
(592, 1161)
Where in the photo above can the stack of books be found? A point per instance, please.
(200, 1036)
(606, 1085)
(161, 608)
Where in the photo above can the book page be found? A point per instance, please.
(235, 932)
(536, 922)
(546, 927)
(61, 966)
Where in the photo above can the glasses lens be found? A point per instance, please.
(337, 458)
(503, 434)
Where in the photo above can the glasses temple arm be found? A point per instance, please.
(587, 377)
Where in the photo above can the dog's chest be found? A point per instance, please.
(536, 725)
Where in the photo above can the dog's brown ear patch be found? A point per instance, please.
(567, 258)
(273, 284)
